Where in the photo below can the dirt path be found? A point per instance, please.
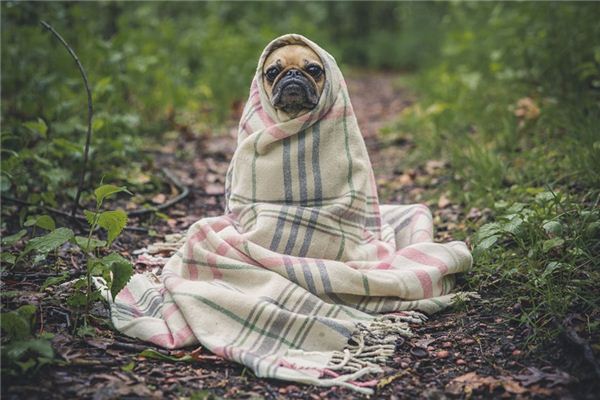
(471, 351)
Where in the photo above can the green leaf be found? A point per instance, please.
(485, 244)
(553, 228)
(8, 258)
(128, 367)
(51, 241)
(12, 239)
(487, 230)
(545, 197)
(121, 275)
(14, 325)
(54, 280)
(4, 183)
(90, 216)
(513, 226)
(113, 222)
(105, 191)
(76, 299)
(82, 241)
(552, 244)
(38, 126)
(43, 221)
(151, 353)
(551, 267)
(121, 269)
(593, 229)
(96, 266)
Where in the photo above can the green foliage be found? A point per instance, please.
(49, 242)
(120, 271)
(544, 252)
(113, 222)
(511, 99)
(42, 221)
(115, 269)
(159, 65)
(22, 352)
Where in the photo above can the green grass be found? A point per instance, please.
(519, 129)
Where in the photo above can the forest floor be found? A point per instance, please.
(476, 350)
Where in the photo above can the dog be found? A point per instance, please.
(293, 79)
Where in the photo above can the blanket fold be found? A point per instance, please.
(292, 280)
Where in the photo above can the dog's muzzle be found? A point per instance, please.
(294, 91)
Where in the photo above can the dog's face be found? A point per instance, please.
(293, 78)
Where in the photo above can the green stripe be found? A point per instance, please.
(256, 155)
(324, 228)
(366, 284)
(356, 194)
(234, 317)
(219, 265)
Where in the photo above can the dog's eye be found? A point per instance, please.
(272, 73)
(314, 70)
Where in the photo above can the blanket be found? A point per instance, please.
(306, 277)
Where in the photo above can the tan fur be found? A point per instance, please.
(292, 56)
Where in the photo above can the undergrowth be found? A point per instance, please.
(513, 105)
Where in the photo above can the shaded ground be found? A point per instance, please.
(475, 350)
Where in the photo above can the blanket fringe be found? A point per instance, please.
(370, 347)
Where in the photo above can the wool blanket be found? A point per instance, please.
(306, 277)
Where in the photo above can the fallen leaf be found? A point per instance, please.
(443, 202)
(537, 375)
(160, 198)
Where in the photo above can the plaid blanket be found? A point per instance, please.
(306, 277)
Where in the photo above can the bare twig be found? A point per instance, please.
(89, 119)
(78, 218)
(184, 192)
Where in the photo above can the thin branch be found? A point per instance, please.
(184, 192)
(90, 115)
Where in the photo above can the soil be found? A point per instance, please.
(477, 350)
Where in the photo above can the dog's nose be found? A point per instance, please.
(293, 73)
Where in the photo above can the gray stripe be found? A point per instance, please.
(395, 218)
(287, 170)
(314, 216)
(279, 229)
(302, 166)
(318, 192)
(296, 224)
(310, 283)
(289, 269)
(327, 283)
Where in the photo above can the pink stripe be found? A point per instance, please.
(170, 341)
(170, 310)
(384, 265)
(425, 281)
(128, 298)
(418, 256)
(211, 259)
(382, 250)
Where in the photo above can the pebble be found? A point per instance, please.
(516, 353)
(460, 361)
(442, 354)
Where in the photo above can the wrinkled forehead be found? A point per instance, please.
(292, 54)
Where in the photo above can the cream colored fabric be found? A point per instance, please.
(303, 259)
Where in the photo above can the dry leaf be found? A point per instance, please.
(159, 198)
(443, 202)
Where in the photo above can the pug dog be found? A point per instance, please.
(293, 79)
